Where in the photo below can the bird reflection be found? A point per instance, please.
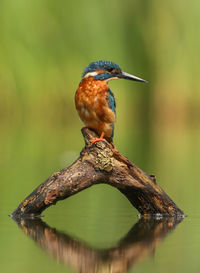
(139, 242)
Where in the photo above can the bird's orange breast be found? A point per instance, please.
(92, 106)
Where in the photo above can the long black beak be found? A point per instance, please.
(127, 76)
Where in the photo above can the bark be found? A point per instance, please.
(100, 163)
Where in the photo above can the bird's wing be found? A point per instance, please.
(111, 105)
(111, 101)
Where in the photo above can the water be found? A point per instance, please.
(98, 230)
(43, 50)
(141, 240)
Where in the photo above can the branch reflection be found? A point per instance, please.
(139, 242)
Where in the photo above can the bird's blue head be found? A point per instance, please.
(105, 71)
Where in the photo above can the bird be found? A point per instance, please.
(94, 100)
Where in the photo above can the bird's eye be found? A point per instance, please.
(110, 69)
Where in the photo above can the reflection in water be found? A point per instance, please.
(140, 241)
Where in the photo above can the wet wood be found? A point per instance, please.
(100, 163)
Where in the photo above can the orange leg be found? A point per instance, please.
(99, 139)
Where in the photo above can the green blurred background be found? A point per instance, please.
(44, 46)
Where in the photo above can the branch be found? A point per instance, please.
(100, 163)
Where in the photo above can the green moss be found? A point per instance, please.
(104, 161)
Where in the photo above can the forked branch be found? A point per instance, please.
(100, 163)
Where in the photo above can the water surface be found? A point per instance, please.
(97, 229)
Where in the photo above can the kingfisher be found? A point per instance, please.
(95, 101)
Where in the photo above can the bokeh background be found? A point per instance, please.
(44, 46)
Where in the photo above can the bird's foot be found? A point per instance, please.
(98, 139)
